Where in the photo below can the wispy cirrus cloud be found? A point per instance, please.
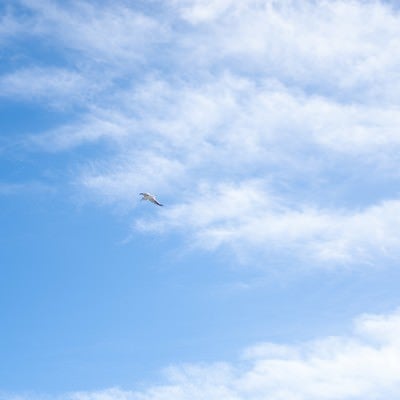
(95, 126)
(213, 96)
(229, 131)
(95, 43)
(55, 86)
(252, 221)
(323, 46)
(106, 32)
(229, 118)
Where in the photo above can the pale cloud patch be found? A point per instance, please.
(111, 33)
(12, 188)
(9, 26)
(98, 125)
(202, 10)
(56, 86)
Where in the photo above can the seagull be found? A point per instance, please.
(150, 197)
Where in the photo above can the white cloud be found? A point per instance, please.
(249, 220)
(55, 85)
(96, 125)
(217, 95)
(233, 114)
(106, 33)
(212, 143)
(364, 365)
(98, 43)
(204, 11)
(227, 120)
(325, 46)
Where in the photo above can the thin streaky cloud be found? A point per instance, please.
(325, 46)
(289, 116)
(105, 33)
(97, 125)
(234, 112)
(52, 85)
(246, 218)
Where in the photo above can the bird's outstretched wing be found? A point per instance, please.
(153, 200)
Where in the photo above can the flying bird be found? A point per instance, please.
(150, 197)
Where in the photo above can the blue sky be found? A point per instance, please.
(270, 132)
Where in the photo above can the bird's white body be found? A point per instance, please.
(150, 197)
